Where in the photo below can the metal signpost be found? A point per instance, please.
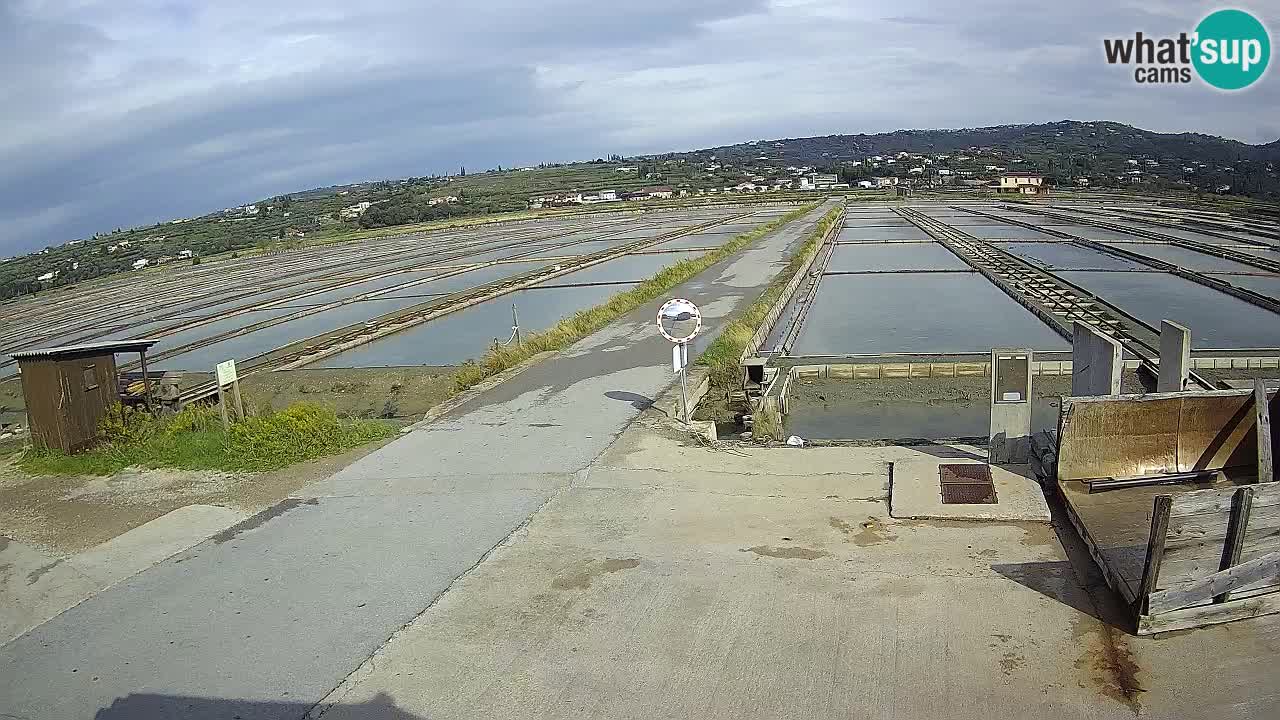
(680, 321)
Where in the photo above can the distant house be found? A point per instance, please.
(557, 200)
(600, 196)
(141, 263)
(1024, 183)
(48, 276)
(824, 180)
(354, 211)
(444, 200)
(661, 192)
(866, 184)
(885, 181)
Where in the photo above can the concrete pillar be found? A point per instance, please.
(1175, 357)
(1010, 406)
(1096, 362)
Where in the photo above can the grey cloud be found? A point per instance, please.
(123, 112)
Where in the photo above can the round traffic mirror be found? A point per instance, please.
(679, 320)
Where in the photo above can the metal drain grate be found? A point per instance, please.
(966, 484)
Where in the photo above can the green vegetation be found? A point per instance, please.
(195, 440)
(1063, 151)
(1106, 154)
(723, 355)
(585, 322)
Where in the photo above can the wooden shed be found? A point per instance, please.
(69, 389)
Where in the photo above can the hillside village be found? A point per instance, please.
(1028, 160)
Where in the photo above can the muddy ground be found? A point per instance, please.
(389, 393)
(65, 515)
(915, 408)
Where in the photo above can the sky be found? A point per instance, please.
(117, 113)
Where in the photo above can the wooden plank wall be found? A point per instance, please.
(42, 392)
(67, 399)
(1212, 531)
(88, 402)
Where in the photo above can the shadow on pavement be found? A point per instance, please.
(1054, 579)
(947, 452)
(639, 402)
(141, 706)
(1076, 581)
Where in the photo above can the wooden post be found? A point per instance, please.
(235, 391)
(222, 405)
(1155, 548)
(1266, 463)
(1241, 506)
(146, 380)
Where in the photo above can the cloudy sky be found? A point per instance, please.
(124, 112)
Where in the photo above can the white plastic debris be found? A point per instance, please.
(795, 441)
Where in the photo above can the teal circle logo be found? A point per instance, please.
(1232, 49)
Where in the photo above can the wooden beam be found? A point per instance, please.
(1241, 507)
(146, 379)
(1246, 573)
(1155, 548)
(1202, 615)
(1266, 463)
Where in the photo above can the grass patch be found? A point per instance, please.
(723, 355)
(195, 440)
(583, 323)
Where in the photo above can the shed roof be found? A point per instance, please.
(70, 351)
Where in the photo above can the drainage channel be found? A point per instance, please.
(1246, 294)
(373, 294)
(1053, 299)
(1204, 226)
(1208, 249)
(510, 241)
(311, 350)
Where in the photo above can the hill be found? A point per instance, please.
(1107, 154)
(1099, 151)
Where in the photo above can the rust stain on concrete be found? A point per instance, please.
(1110, 663)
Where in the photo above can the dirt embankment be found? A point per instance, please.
(389, 393)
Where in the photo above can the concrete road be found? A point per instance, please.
(682, 582)
(264, 620)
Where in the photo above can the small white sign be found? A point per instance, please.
(675, 358)
(226, 372)
(1012, 397)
